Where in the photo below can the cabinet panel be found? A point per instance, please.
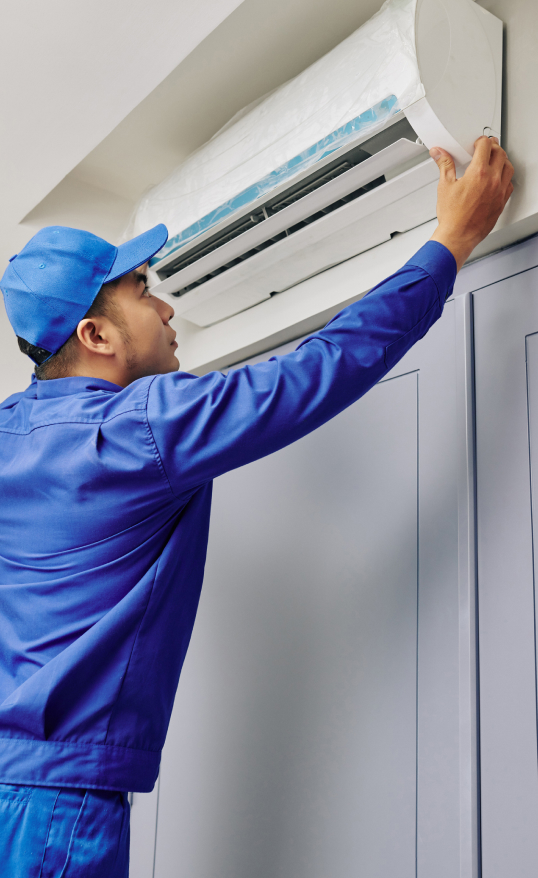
(299, 694)
(506, 318)
(532, 405)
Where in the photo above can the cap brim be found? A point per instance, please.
(136, 252)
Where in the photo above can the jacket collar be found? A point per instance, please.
(69, 387)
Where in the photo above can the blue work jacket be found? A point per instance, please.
(105, 496)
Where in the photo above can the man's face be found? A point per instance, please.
(151, 346)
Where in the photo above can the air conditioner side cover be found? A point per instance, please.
(459, 53)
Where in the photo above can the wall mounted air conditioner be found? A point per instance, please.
(332, 163)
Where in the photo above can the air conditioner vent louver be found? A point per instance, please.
(268, 206)
(284, 217)
(260, 216)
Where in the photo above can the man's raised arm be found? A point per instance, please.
(205, 426)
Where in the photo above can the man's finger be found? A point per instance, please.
(507, 195)
(507, 173)
(509, 192)
(482, 150)
(498, 158)
(445, 163)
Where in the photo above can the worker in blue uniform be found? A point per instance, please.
(106, 466)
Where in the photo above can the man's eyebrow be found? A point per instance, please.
(139, 277)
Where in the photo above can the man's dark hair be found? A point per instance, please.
(64, 360)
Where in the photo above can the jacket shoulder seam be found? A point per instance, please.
(155, 448)
(59, 423)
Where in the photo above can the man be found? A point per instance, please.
(106, 466)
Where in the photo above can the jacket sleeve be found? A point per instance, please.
(205, 426)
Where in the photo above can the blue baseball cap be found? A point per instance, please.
(50, 285)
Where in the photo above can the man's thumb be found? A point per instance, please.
(445, 163)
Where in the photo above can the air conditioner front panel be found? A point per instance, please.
(273, 225)
(402, 203)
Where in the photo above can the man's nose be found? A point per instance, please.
(166, 312)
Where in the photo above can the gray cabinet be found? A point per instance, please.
(325, 719)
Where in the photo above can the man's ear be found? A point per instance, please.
(94, 334)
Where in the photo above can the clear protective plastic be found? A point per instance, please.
(368, 77)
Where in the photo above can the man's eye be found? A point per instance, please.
(147, 293)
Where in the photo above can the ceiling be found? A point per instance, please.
(69, 73)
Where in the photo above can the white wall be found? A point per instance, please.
(70, 73)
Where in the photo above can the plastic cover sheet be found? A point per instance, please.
(354, 88)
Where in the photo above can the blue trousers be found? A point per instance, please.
(52, 832)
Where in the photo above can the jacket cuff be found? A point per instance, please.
(435, 259)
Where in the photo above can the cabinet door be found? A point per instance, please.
(324, 722)
(506, 346)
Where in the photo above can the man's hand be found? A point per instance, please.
(467, 209)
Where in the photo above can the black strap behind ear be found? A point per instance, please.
(38, 355)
